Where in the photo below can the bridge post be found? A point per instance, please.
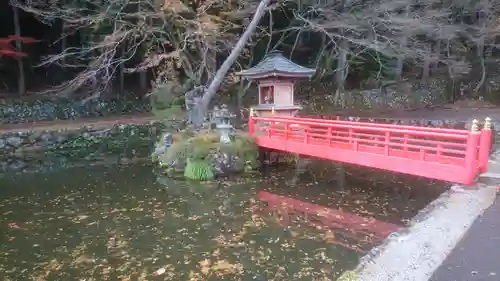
(251, 123)
(485, 145)
(471, 153)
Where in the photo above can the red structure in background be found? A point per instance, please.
(444, 154)
(8, 49)
(361, 229)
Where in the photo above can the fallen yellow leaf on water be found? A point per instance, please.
(127, 278)
(224, 265)
(205, 266)
(205, 262)
(160, 271)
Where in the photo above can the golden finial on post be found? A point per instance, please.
(487, 123)
(475, 126)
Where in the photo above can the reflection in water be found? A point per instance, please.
(338, 227)
(118, 223)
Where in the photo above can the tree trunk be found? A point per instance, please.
(342, 72)
(435, 64)
(143, 80)
(17, 29)
(64, 41)
(202, 107)
(480, 84)
(426, 68)
(480, 44)
(122, 71)
(451, 89)
(398, 72)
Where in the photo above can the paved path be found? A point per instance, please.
(477, 256)
(97, 123)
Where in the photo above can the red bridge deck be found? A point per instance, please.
(443, 154)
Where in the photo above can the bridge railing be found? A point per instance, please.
(378, 125)
(464, 148)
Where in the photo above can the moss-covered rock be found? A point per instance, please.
(202, 156)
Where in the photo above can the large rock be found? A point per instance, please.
(14, 141)
(226, 163)
(222, 163)
(171, 153)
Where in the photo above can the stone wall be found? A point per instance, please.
(64, 109)
(12, 112)
(319, 96)
(51, 149)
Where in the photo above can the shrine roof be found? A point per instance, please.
(275, 64)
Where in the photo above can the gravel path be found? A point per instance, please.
(97, 123)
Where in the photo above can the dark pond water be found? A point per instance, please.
(122, 223)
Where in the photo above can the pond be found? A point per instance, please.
(125, 223)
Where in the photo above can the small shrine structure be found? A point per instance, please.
(276, 76)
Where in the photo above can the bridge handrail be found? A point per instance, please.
(463, 135)
(438, 148)
(381, 125)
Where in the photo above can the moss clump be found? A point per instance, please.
(194, 154)
(198, 170)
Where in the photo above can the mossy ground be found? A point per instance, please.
(191, 152)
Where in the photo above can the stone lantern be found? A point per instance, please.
(223, 125)
(276, 76)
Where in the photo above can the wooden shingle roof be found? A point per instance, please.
(275, 64)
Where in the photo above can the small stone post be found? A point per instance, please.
(485, 145)
(471, 153)
(251, 123)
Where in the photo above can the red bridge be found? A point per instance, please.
(444, 154)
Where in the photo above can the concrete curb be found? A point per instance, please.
(415, 253)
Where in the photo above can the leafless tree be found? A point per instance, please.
(403, 30)
(188, 34)
(483, 33)
(176, 34)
